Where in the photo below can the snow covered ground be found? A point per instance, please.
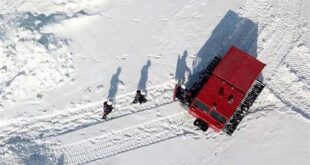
(60, 59)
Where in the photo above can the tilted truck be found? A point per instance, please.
(224, 91)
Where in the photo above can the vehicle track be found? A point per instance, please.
(141, 135)
(278, 36)
(298, 64)
(126, 139)
(291, 91)
(84, 116)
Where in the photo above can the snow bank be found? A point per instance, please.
(32, 62)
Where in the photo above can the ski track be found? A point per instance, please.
(277, 47)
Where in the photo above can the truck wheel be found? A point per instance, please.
(196, 122)
(204, 126)
(201, 125)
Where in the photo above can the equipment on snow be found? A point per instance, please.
(224, 91)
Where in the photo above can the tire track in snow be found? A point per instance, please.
(275, 51)
(86, 115)
(76, 119)
(145, 134)
(53, 125)
(298, 62)
(291, 91)
(295, 83)
(126, 139)
(261, 12)
(131, 138)
(279, 38)
(275, 38)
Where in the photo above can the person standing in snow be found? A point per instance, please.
(183, 94)
(107, 108)
(139, 97)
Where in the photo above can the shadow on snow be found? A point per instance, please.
(144, 76)
(231, 30)
(114, 82)
(182, 69)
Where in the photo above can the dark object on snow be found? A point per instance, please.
(140, 97)
(182, 94)
(107, 108)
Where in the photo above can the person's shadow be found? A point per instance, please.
(144, 76)
(182, 68)
(115, 81)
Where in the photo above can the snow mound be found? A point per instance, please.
(31, 61)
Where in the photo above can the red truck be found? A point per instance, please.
(224, 91)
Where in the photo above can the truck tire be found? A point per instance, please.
(201, 125)
(204, 126)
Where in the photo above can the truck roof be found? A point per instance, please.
(239, 69)
(220, 96)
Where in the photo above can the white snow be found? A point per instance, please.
(60, 59)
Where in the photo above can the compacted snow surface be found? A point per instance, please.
(60, 59)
